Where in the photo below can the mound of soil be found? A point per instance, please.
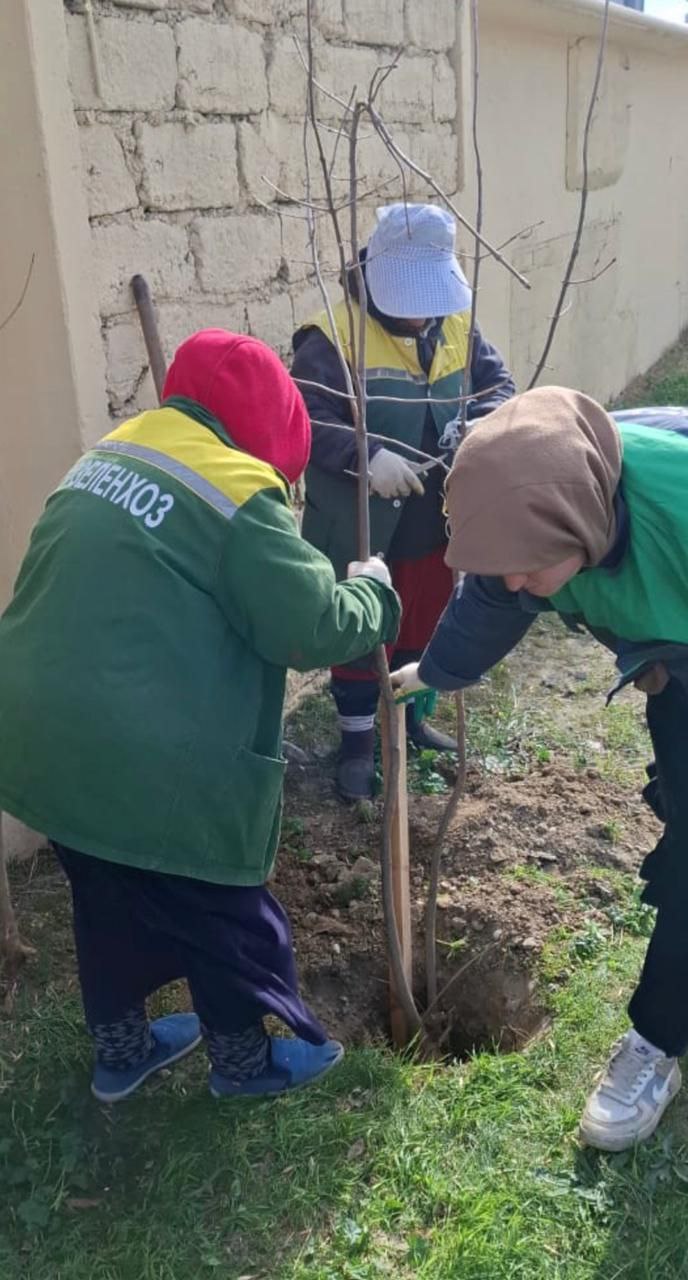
(525, 857)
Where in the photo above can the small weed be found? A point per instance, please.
(634, 916)
(526, 873)
(352, 889)
(611, 831)
(302, 853)
(454, 946)
(588, 944)
(423, 775)
(292, 828)
(563, 896)
(496, 728)
(292, 840)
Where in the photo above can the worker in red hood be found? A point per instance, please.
(143, 658)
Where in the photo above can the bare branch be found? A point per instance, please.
(403, 159)
(585, 191)
(350, 347)
(392, 774)
(357, 342)
(562, 313)
(355, 382)
(340, 131)
(331, 128)
(22, 295)
(307, 64)
(374, 435)
(434, 186)
(13, 952)
(460, 784)
(475, 45)
(596, 274)
(323, 209)
(453, 400)
(312, 120)
(438, 851)
(381, 74)
(282, 213)
(523, 234)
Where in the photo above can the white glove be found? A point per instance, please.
(391, 476)
(406, 680)
(373, 568)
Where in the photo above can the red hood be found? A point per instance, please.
(246, 387)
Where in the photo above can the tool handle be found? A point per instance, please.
(151, 336)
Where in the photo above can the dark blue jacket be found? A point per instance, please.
(316, 360)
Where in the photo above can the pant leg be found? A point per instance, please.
(121, 958)
(235, 949)
(356, 701)
(659, 1007)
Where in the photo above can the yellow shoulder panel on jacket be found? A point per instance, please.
(390, 355)
(169, 433)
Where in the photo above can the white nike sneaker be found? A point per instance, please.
(631, 1096)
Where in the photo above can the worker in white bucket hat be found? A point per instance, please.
(418, 303)
(411, 264)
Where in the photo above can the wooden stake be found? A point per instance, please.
(400, 871)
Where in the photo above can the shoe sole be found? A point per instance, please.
(279, 1093)
(159, 1066)
(601, 1143)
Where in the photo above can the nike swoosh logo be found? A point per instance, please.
(659, 1092)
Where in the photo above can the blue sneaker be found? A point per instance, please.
(173, 1037)
(292, 1064)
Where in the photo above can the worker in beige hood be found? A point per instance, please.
(554, 504)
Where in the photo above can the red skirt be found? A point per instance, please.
(424, 587)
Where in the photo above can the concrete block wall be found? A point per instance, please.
(202, 100)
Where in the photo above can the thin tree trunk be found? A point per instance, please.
(12, 950)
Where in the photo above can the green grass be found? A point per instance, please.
(513, 721)
(672, 389)
(314, 721)
(665, 383)
(458, 1172)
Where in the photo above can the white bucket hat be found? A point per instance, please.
(411, 266)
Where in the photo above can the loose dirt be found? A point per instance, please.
(528, 859)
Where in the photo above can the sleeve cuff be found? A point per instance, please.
(436, 678)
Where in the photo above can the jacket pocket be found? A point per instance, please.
(253, 813)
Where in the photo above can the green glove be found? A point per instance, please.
(425, 701)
